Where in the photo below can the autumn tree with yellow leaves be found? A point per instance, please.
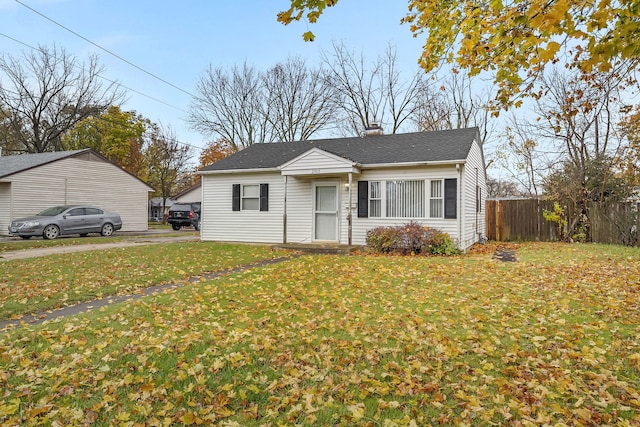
(514, 40)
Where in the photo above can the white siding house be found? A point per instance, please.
(30, 183)
(191, 194)
(335, 190)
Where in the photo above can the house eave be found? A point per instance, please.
(412, 164)
(355, 168)
(237, 171)
(321, 171)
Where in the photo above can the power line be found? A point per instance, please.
(106, 50)
(99, 117)
(105, 78)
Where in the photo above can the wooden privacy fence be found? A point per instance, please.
(523, 220)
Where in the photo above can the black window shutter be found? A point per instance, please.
(363, 199)
(450, 198)
(235, 202)
(264, 197)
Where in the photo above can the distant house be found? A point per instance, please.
(158, 208)
(335, 190)
(30, 183)
(191, 194)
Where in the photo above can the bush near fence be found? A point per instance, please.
(522, 220)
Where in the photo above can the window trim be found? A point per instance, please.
(439, 198)
(381, 199)
(253, 198)
(237, 197)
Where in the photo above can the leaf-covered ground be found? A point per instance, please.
(374, 341)
(37, 284)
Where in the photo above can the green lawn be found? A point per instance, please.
(37, 284)
(362, 340)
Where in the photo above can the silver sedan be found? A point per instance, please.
(68, 219)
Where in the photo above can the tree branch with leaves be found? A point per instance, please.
(514, 40)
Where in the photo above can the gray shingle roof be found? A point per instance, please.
(21, 162)
(437, 146)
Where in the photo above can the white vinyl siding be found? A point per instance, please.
(80, 180)
(221, 223)
(194, 195)
(299, 210)
(316, 161)
(473, 222)
(5, 207)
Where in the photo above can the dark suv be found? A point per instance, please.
(184, 215)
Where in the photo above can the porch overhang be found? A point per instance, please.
(317, 162)
(320, 172)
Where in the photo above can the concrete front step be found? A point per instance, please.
(320, 248)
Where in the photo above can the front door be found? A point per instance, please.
(325, 212)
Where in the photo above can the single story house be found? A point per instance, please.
(159, 208)
(191, 194)
(335, 190)
(30, 183)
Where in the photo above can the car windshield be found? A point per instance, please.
(56, 210)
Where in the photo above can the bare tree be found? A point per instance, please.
(520, 155)
(299, 100)
(503, 188)
(579, 114)
(453, 103)
(167, 160)
(230, 106)
(289, 102)
(46, 92)
(372, 93)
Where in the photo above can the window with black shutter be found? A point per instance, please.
(264, 197)
(450, 198)
(250, 197)
(235, 200)
(363, 199)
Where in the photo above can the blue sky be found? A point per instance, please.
(177, 41)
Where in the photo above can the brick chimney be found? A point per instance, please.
(374, 129)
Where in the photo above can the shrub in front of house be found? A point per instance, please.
(383, 239)
(442, 244)
(411, 238)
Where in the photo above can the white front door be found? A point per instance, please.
(325, 211)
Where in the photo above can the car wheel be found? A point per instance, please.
(175, 227)
(50, 232)
(196, 225)
(26, 237)
(107, 230)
